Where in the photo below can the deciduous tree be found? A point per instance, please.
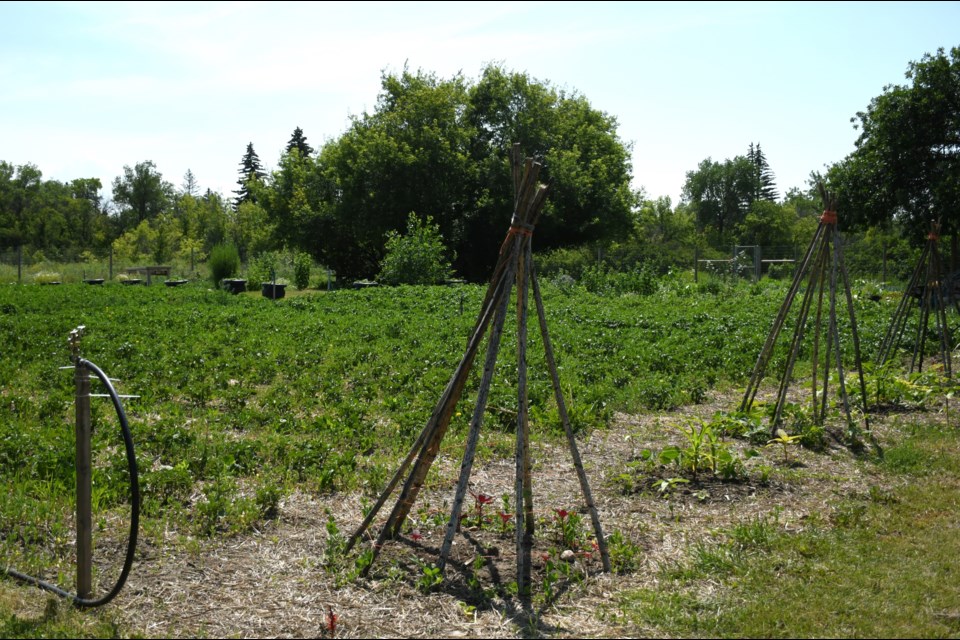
(906, 165)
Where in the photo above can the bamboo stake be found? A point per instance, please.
(493, 348)
(818, 412)
(515, 264)
(524, 483)
(794, 348)
(834, 328)
(767, 350)
(430, 449)
(854, 334)
(454, 388)
(819, 252)
(567, 428)
(891, 340)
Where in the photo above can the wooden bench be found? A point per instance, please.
(149, 271)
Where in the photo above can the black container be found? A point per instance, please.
(272, 290)
(234, 285)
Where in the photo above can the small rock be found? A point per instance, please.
(568, 555)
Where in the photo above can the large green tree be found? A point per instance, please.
(409, 155)
(54, 218)
(766, 188)
(587, 164)
(141, 194)
(297, 205)
(906, 164)
(440, 148)
(720, 195)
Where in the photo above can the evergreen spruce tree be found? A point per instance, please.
(190, 186)
(298, 141)
(250, 169)
(766, 186)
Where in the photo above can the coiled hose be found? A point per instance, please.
(134, 508)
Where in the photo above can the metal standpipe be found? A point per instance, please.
(81, 377)
(84, 468)
(84, 511)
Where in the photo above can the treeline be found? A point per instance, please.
(437, 149)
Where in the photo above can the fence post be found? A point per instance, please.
(696, 263)
(884, 253)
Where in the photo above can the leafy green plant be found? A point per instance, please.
(302, 263)
(430, 577)
(625, 555)
(263, 268)
(570, 532)
(786, 441)
(418, 257)
(667, 485)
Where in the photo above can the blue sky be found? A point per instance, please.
(88, 87)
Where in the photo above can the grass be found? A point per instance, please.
(886, 564)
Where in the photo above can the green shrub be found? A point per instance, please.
(263, 268)
(301, 270)
(224, 262)
(419, 257)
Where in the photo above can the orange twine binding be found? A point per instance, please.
(829, 217)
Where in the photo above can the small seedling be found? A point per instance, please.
(667, 485)
(480, 499)
(431, 578)
(785, 440)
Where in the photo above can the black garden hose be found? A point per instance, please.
(134, 508)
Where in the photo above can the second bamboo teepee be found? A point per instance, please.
(927, 291)
(823, 268)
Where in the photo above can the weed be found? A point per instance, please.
(430, 577)
(625, 555)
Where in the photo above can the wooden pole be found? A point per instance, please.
(567, 427)
(493, 348)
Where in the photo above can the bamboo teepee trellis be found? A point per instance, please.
(514, 266)
(819, 262)
(927, 290)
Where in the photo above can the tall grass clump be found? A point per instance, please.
(224, 262)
